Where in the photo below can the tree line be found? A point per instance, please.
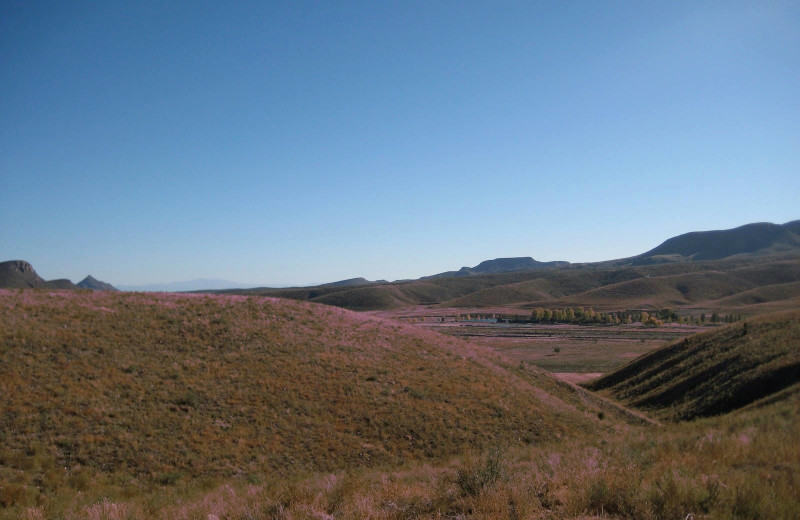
(579, 315)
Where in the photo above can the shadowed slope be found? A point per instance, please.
(759, 238)
(714, 372)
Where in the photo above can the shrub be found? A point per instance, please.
(478, 476)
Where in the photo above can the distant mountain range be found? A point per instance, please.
(200, 284)
(750, 268)
(750, 240)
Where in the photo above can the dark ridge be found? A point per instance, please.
(762, 237)
(793, 226)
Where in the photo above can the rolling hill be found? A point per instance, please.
(119, 405)
(684, 271)
(133, 390)
(712, 373)
(710, 284)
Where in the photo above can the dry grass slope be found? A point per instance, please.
(116, 394)
(714, 372)
(738, 466)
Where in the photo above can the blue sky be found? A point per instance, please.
(301, 142)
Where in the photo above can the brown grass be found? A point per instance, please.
(714, 372)
(114, 394)
(127, 406)
(742, 466)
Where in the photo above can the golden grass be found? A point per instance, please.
(745, 465)
(127, 406)
(115, 395)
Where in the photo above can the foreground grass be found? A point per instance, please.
(745, 466)
(194, 407)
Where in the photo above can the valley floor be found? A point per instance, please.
(570, 352)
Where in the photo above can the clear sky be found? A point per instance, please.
(300, 142)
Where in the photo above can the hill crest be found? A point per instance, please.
(90, 282)
(757, 238)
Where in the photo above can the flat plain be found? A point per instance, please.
(575, 353)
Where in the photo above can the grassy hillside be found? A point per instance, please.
(660, 292)
(714, 372)
(120, 406)
(119, 393)
(766, 293)
(741, 465)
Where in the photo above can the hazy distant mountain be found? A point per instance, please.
(201, 284)
(757, 239)
(20, 274)
(501, 265)
(90, 282)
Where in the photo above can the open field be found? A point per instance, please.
(566, 350)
